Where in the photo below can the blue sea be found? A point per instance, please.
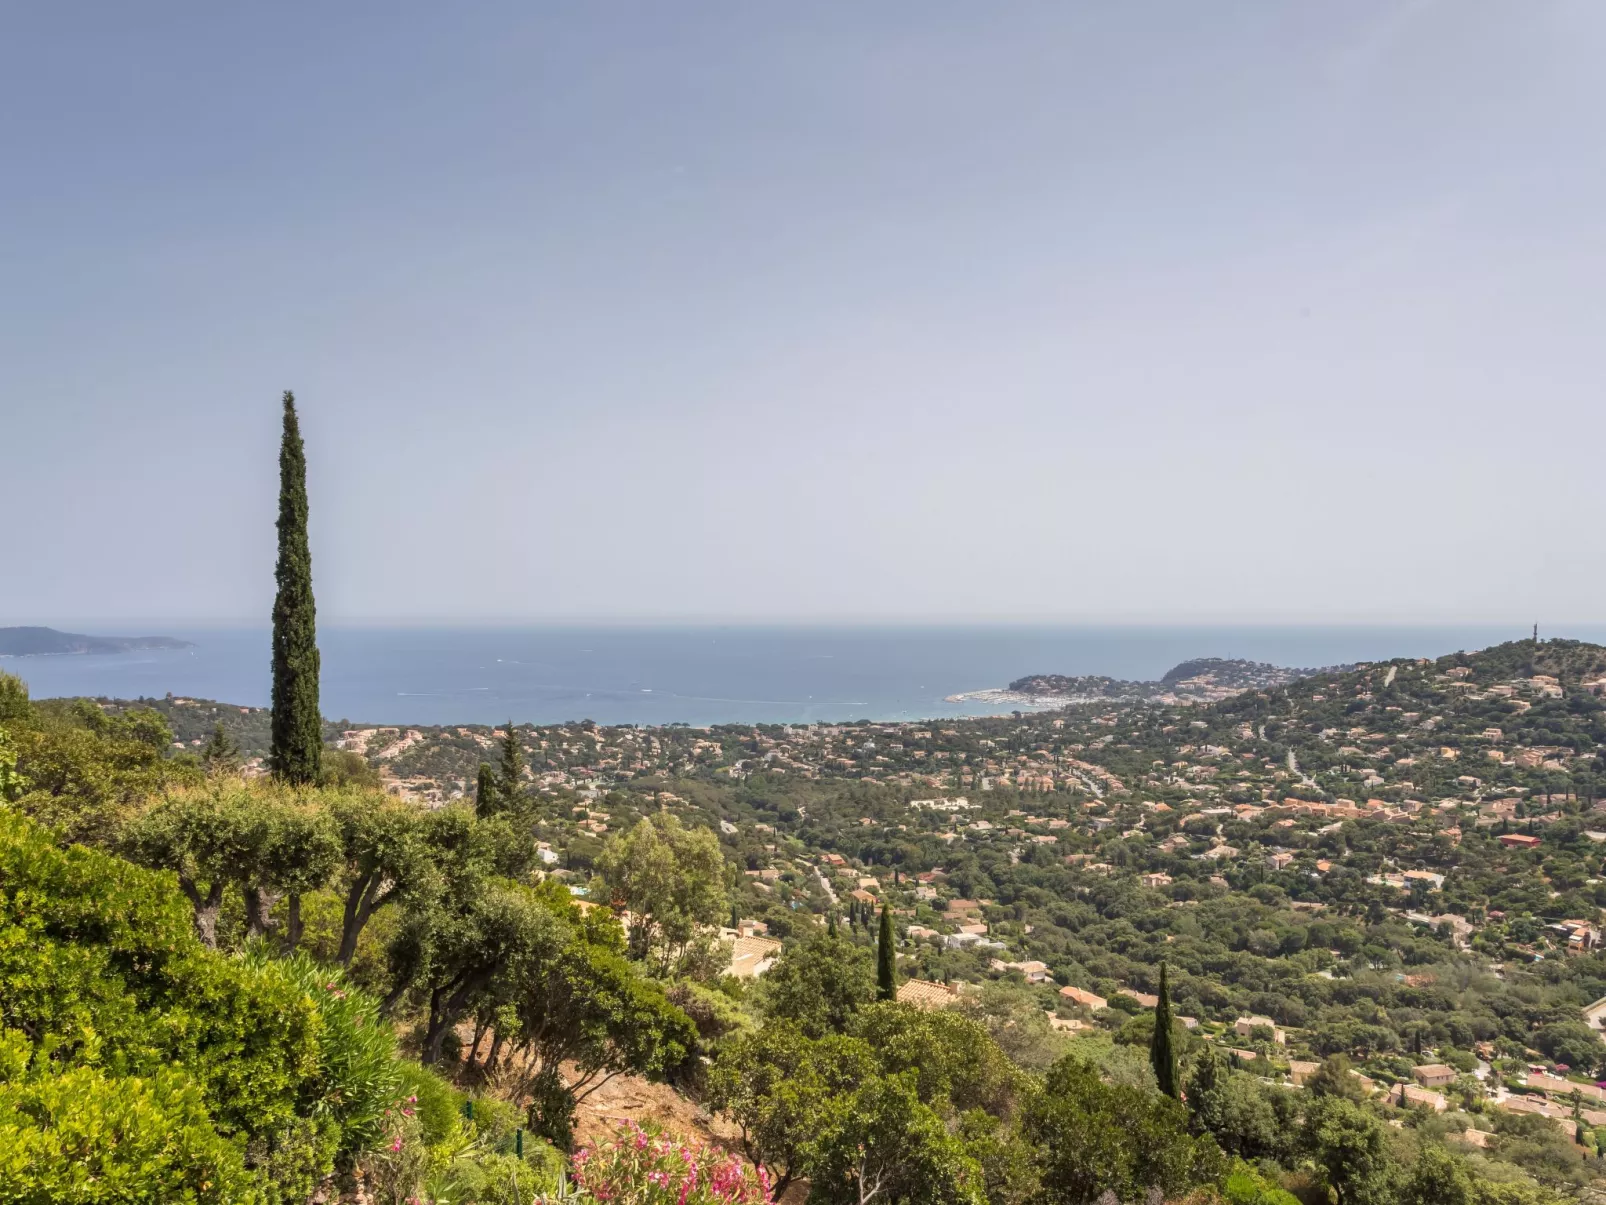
(701, 675)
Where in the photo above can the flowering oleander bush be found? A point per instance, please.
(646, 1167)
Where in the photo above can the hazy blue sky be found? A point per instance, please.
(832, 310)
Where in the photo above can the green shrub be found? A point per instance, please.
(437, 1104)
(491, 1178)
(433, 1154)
(1243, 1185)
(100, 963)
(84, 1137)
(258, 1066)
(359, 1076)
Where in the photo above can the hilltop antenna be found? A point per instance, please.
(1536, 633)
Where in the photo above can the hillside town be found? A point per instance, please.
(1396, 827)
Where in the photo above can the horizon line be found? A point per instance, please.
(570, 622)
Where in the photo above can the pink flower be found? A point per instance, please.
(396, 1146)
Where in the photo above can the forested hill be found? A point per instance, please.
(42, 642)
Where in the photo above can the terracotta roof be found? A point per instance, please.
(1079, 996)
(750, 956)
(922, 993)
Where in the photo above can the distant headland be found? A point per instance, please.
(47, 642)
(1204, 680)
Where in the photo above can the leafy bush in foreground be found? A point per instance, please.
(84, 1136)
(119, 1027)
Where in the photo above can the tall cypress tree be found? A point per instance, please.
(297, 736)
(510, 769)
(886, 959)
(1161, 1053)
(485, 792)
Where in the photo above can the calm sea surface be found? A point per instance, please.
(701, 675)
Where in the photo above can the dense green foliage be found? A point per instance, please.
(82, 770)
(1092, 1136)
(671, 879)
(116, 1015)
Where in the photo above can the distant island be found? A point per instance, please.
(1202, 680)
(47, 642)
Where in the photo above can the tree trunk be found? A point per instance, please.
(474, 1046)
(350, 927)
(293, 926)
(206, 909)
(435, 1031)
(361, 901)
(389, 1003)
(259, 902)
(494, 1053)
(206, 925)
(444, 1011)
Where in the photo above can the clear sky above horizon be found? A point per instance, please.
(915, 310)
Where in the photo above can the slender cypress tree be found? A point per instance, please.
(510, 769)
(485, 792)
(886, 959)
(297, 735)
(1161, 1053)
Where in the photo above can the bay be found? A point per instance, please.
(703, 675)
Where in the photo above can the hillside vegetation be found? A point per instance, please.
(1379, 918)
